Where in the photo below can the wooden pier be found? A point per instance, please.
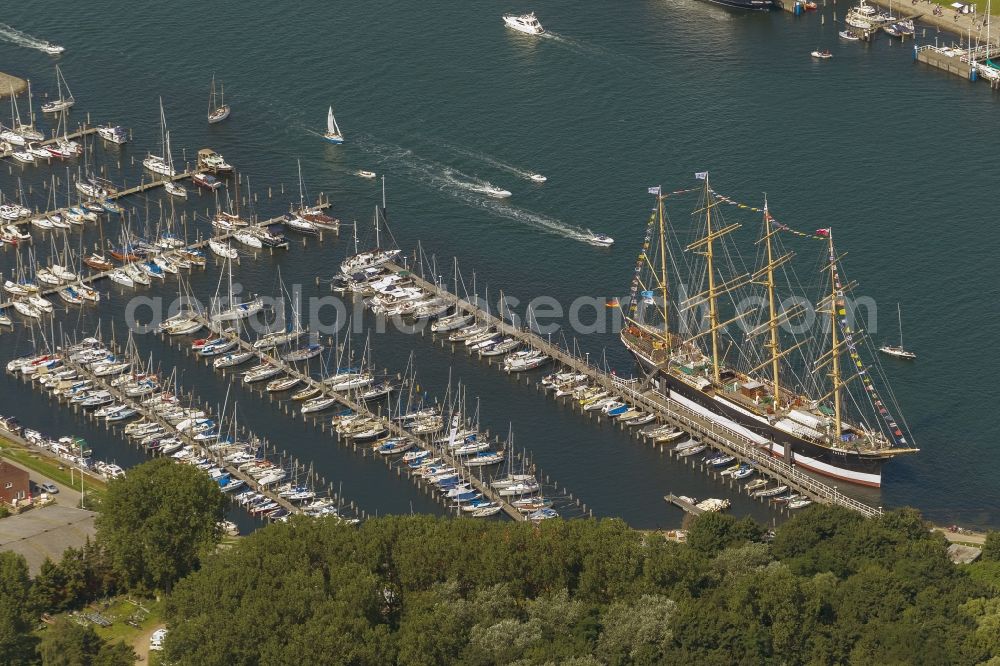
(394, 428)
(681, 502)
(667, 411)
(82, 131)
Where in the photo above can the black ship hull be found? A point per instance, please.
(845, 465)
(751, 5)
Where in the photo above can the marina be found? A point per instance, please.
(493, 233)
(83, 379)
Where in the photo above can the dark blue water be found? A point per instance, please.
(618, 98)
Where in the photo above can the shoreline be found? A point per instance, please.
(8, 81)
(923, 10)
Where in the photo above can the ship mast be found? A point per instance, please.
(712, 311)
(834, 341)
(663, 274)
(775, 343)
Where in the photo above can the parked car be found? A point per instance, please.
(156, 639)
(49, 488)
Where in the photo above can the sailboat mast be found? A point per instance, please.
(899, 317)
(772, 311)
(834, 340)
(663, 274)
(713, 316)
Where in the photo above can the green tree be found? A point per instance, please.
(17, 645)
(711, 532)
(991, 547)
(67, 643)
(158, 522)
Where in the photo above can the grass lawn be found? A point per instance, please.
(50, 467)
(147, 613)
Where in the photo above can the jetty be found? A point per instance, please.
(667, 411)
(683, 503)
(202, 448)
(394, 428)
(199, 244)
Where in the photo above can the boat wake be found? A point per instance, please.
(487, 159)
(468, 189)
(586, 48)
(13, 35)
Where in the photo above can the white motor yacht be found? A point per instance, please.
(526, 23)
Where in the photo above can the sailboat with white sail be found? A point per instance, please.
(333, 133)
(898, 351)
(159, 163)
(217, 112)
(64, 101)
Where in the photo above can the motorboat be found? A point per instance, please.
(213, 161)
(370, 175)
(822, 55)
(493, 191)
(600, 240)
(538, 178)
(207, 181)
(526, 23)
(113, 133)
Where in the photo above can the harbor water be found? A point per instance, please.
(441, 98)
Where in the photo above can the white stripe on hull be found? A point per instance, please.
(778, 451)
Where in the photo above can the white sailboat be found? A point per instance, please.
(217, 112)
(171, 186)
(158, 163)
(57, 105)
(898, 352)
(333, 133)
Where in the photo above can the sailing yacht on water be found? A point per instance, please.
(217, 112)
(900, 351)
(333, 133)
(814, 402)
(64, 102)
(159, 163)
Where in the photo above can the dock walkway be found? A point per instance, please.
(393, 427)
(667, 410)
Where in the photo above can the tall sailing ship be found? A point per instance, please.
(714, 334)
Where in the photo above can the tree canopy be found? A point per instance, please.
(157, 523)
(831, 588)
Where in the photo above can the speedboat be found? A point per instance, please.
(495, 192)
(600, 240)
(538, 178)
(526, 23)
(52, 49)
(367, 174)
(822, 55)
